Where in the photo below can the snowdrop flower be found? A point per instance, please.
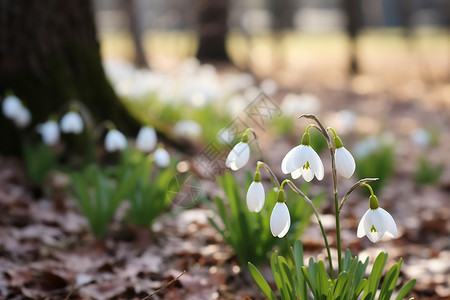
(280, 219)
(239, 155)
(115, 141)
(72, 122)
(162, 157)
(188, 128)
(376, 223)
(303, 161)
(146, 139)
(14, 110)
(23, 117)
(10, 106)
(50, 132)
(255, 194)
(345, 163)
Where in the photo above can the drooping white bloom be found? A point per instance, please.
(345, 163)
(10, 106)
(255, 196)
(377, 223)
(72, 122)
(280, 220)
(146, 139)
(162, 158)
(50, 132)
(238, 156)
(188, 128)
(303, 161)
(115, 141)
(23, 117)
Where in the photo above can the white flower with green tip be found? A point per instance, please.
(303, 161)
(256, 194)
(280, 219)
(376, 223)
(345, 163)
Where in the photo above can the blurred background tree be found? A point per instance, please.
(49, 56)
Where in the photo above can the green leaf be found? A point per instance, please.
(404, 291)
(390, 281)
(307, 277)
(302, 292)
(278, 276)
(288, 278)
(322, 281)
(374, 277)
(341, 284)
(261, 282)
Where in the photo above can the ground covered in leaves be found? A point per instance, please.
(47, 251)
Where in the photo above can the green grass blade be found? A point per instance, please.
(406, 289)
(261, 282)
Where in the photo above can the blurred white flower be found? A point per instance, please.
(23, 117)
(146, 139)
(50, 132)
(14, 110)
(225, 136)
(269, 87)
(255, 196)
(72, 122)
(303, 161)
(238, 156)
(375, 224)
(280, 220)
(345, 163)
(115, 141)
(420, 137)
(10, 106)
(365, 147)
(162, 158)
(300, 104)
(188, 128)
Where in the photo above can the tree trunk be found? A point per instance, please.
(352, 11)
(134, 25)
(49, 55)
(212, 30)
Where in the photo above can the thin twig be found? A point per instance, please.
(164, 287)
(298, 191)
(353, 187)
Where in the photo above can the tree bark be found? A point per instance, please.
(212, 30)
(352, 11)
(49, 55)
(134, 25)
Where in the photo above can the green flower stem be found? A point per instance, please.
(369, 187)
(256, 140)
(269, 170)
(352, 188)
(316, 213)
(333, 171)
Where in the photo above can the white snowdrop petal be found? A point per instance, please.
(10, 106)
(255, 197)
(288, 163)
(379, 220)
(50, 133)
(162, 158)
(345, 163)
(361, 231)
(296, 174)
(146, 139)
(238, 156)
(72, 122)
(279, 219)
(391, 227)
(308, 175)
(286, 228)
(22, 117)
(115, 140)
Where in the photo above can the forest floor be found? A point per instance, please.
(48, 252)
